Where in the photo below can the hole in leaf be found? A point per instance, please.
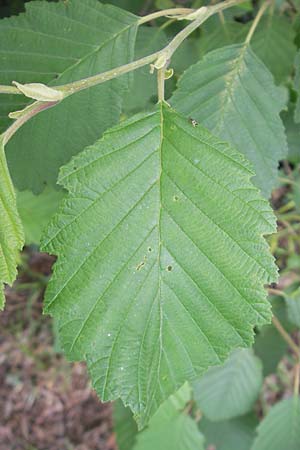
(169, 268)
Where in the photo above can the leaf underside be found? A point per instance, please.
(11, 232)
(233, 94)
(161, 259)
(54, 44)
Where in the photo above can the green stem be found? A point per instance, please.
(161, 84)
(256, 21)
(85, 83)
(35, 108)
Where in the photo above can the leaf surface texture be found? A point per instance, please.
(161, 257)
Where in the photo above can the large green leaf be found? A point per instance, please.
(273, 43)
(234, 434)
(171, 428)
(232, 93)
(230, 390)
(161, 259)
(281, 427)
(56, 43)
(11, 231)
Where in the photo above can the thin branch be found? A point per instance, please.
(277, 292)
(159, 58)
(172, 12)
(9, 90)
(286, 336)
(256, 21)
(35, 108)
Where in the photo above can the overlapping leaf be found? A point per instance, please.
(232, 93)
(281, 427)
(269, 42)
(125, 426)
(56, 43)
(161, 259)
(234, 434)
(11, 232)
(171, 428)
(273, 43)
(36, 211)
(230, 390)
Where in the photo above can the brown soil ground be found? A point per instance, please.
(46, 403)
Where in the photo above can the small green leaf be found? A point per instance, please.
(155, 282)
(230, 390)
(232, 93)
(11, 231)
(280, 429)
